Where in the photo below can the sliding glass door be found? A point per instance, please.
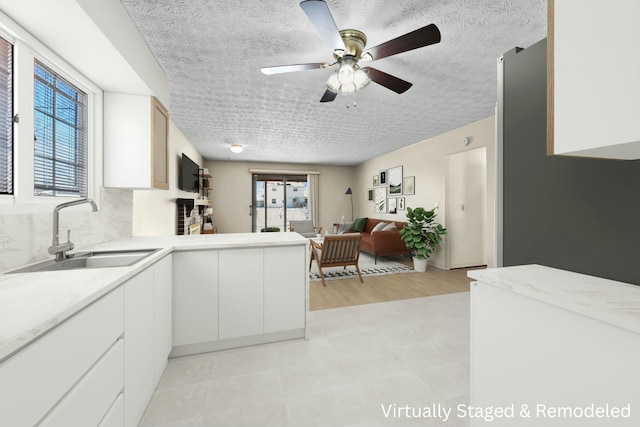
(278, 199)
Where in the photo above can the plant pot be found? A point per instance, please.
(420, 264)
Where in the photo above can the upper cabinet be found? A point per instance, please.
(136, 142)
(594, 79)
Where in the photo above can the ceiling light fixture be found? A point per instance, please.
(237, 148)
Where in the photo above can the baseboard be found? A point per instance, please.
(225, 344)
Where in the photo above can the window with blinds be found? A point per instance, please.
(60, 136)
(6, 117)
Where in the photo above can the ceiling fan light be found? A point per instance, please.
(360, 79)
(348, 89)
(333, 83)
(345, 73)
(236, 148)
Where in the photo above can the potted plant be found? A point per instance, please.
(422, 235)
(270, 229)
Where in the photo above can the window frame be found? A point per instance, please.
(10, 153)
(79, 143)
(26, 49)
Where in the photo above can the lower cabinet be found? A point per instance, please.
(162, 316)
(71, 374)
(233, 297)
(284, 288)
(147, 336)
(195, 297)
(138, 345)
(92, 397)
(99, 367)
(115, 415)
(241, 292)
(527, 353)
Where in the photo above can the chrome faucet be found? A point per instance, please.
(60, 249)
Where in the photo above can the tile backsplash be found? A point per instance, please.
(24, 239)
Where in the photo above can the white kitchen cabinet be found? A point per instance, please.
(195, 297)
(593, 84)
(136, 142)
(138, 348)
(541, 336)
(147, 335)
(235, 297)
(241, 292)
(88, 402)
(115, 415)
(284, 288)
(162, 316)
(35, 379)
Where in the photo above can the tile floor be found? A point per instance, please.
(358, 360)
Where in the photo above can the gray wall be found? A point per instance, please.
(576, 214)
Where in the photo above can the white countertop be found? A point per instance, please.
(609, 301)
(33, 303)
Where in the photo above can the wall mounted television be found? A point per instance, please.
(188, 176)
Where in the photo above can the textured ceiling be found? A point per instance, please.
(212, 52)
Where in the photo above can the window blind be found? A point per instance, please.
(60, 136)
(6, 117)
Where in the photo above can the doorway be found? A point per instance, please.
(278, 199)
(466, 208)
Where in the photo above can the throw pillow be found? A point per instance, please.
(390, 227)
(358, 224)
(379, 226)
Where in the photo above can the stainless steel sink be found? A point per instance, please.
(95, 259)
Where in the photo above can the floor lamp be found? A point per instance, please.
(351, 196)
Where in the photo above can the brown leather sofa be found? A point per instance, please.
(383, 243)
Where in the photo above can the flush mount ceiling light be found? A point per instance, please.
(349, 48)
(236, 148)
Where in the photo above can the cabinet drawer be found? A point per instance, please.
(115, 415)
(34, 380)
(91, 398)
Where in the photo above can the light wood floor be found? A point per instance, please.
(391, 287)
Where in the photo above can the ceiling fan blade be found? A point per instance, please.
(320, 16)
(387, 80)
(328, 96)
(295, 67)
(421, 37)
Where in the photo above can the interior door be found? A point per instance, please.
(466, 208)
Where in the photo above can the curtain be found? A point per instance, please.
(314, 200)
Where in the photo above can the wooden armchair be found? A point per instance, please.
(336, 250)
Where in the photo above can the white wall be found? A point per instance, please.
(154, 211)
(426, 161)
(231, 194)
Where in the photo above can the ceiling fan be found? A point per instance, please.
(348, 49)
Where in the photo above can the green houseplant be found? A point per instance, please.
(422, 234)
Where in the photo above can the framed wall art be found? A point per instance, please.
(376, 180)
(383, 177)
(394, 179)
(392, 205)
(409, 185)
(380, 200)
(401, 205)
(370, 195)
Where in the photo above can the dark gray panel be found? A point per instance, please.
(576, 214)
